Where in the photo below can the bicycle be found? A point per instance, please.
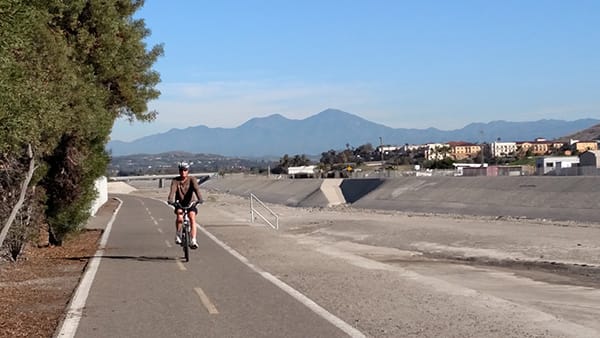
(186, 229)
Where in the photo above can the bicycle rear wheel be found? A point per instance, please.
(185, 242)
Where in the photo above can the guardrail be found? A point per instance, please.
(254, 212)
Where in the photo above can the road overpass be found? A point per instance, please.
(202, 176)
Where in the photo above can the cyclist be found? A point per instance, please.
(185, 189)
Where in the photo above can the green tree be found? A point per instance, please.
(285, 162)
(445, 163)
(299, 160)
(35, 78)
(329, 158)
(364, 151)
(67, 71)
(115, 80)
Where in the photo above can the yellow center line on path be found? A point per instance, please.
(212, 309)
(181, 266)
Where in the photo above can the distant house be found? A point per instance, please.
(503, 149)
(590, 158)
(302, 171)
(546, 164)
(436, 151)
(583, 146)
(536, 147)
(558, 145)
(388, 149)
(411, 147)
(461, 168)
(533, 147)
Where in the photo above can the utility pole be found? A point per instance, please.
(482, 145)
(381, 147)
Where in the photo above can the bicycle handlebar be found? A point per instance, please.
(178, 205)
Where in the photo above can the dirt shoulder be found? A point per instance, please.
(35, 291)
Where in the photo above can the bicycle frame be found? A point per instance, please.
(186, 229)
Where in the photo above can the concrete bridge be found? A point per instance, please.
(161, 178)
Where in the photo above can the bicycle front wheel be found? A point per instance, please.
(185, 243)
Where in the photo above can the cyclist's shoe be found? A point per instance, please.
(194, 244)
(177, 239)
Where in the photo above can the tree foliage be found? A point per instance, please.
(68, 70)
(286, 161)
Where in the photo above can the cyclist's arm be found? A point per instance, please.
(196, 188)
(173, 191)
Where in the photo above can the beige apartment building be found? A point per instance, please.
(462, 150)
(583, 146)
(539, 147)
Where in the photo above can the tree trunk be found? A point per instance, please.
(21, 199)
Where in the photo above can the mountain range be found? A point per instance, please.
(276, 135)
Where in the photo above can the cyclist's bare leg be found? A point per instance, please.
(179, 220)
(192, 223)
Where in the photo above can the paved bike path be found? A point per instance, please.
(143, 287)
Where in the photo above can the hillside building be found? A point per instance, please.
(583, 146)
(503, 149)
(437, 151)
(463, 150)
(539, 147)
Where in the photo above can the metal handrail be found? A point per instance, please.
(254, 211)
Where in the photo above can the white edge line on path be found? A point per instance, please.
(75, 311)
(316, 308)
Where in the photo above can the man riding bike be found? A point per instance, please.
(185, 189)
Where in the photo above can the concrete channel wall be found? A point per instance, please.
(541, 197)
(304, 192)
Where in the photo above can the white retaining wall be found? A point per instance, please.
(101, 186)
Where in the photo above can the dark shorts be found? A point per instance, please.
(194, 210)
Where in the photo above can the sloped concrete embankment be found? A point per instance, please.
(297, 193)
(554, 198)
(355, 189)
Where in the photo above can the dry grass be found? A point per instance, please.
(35, 290)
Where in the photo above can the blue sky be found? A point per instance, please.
(404, 64)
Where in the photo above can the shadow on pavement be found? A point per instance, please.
(136, 258)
